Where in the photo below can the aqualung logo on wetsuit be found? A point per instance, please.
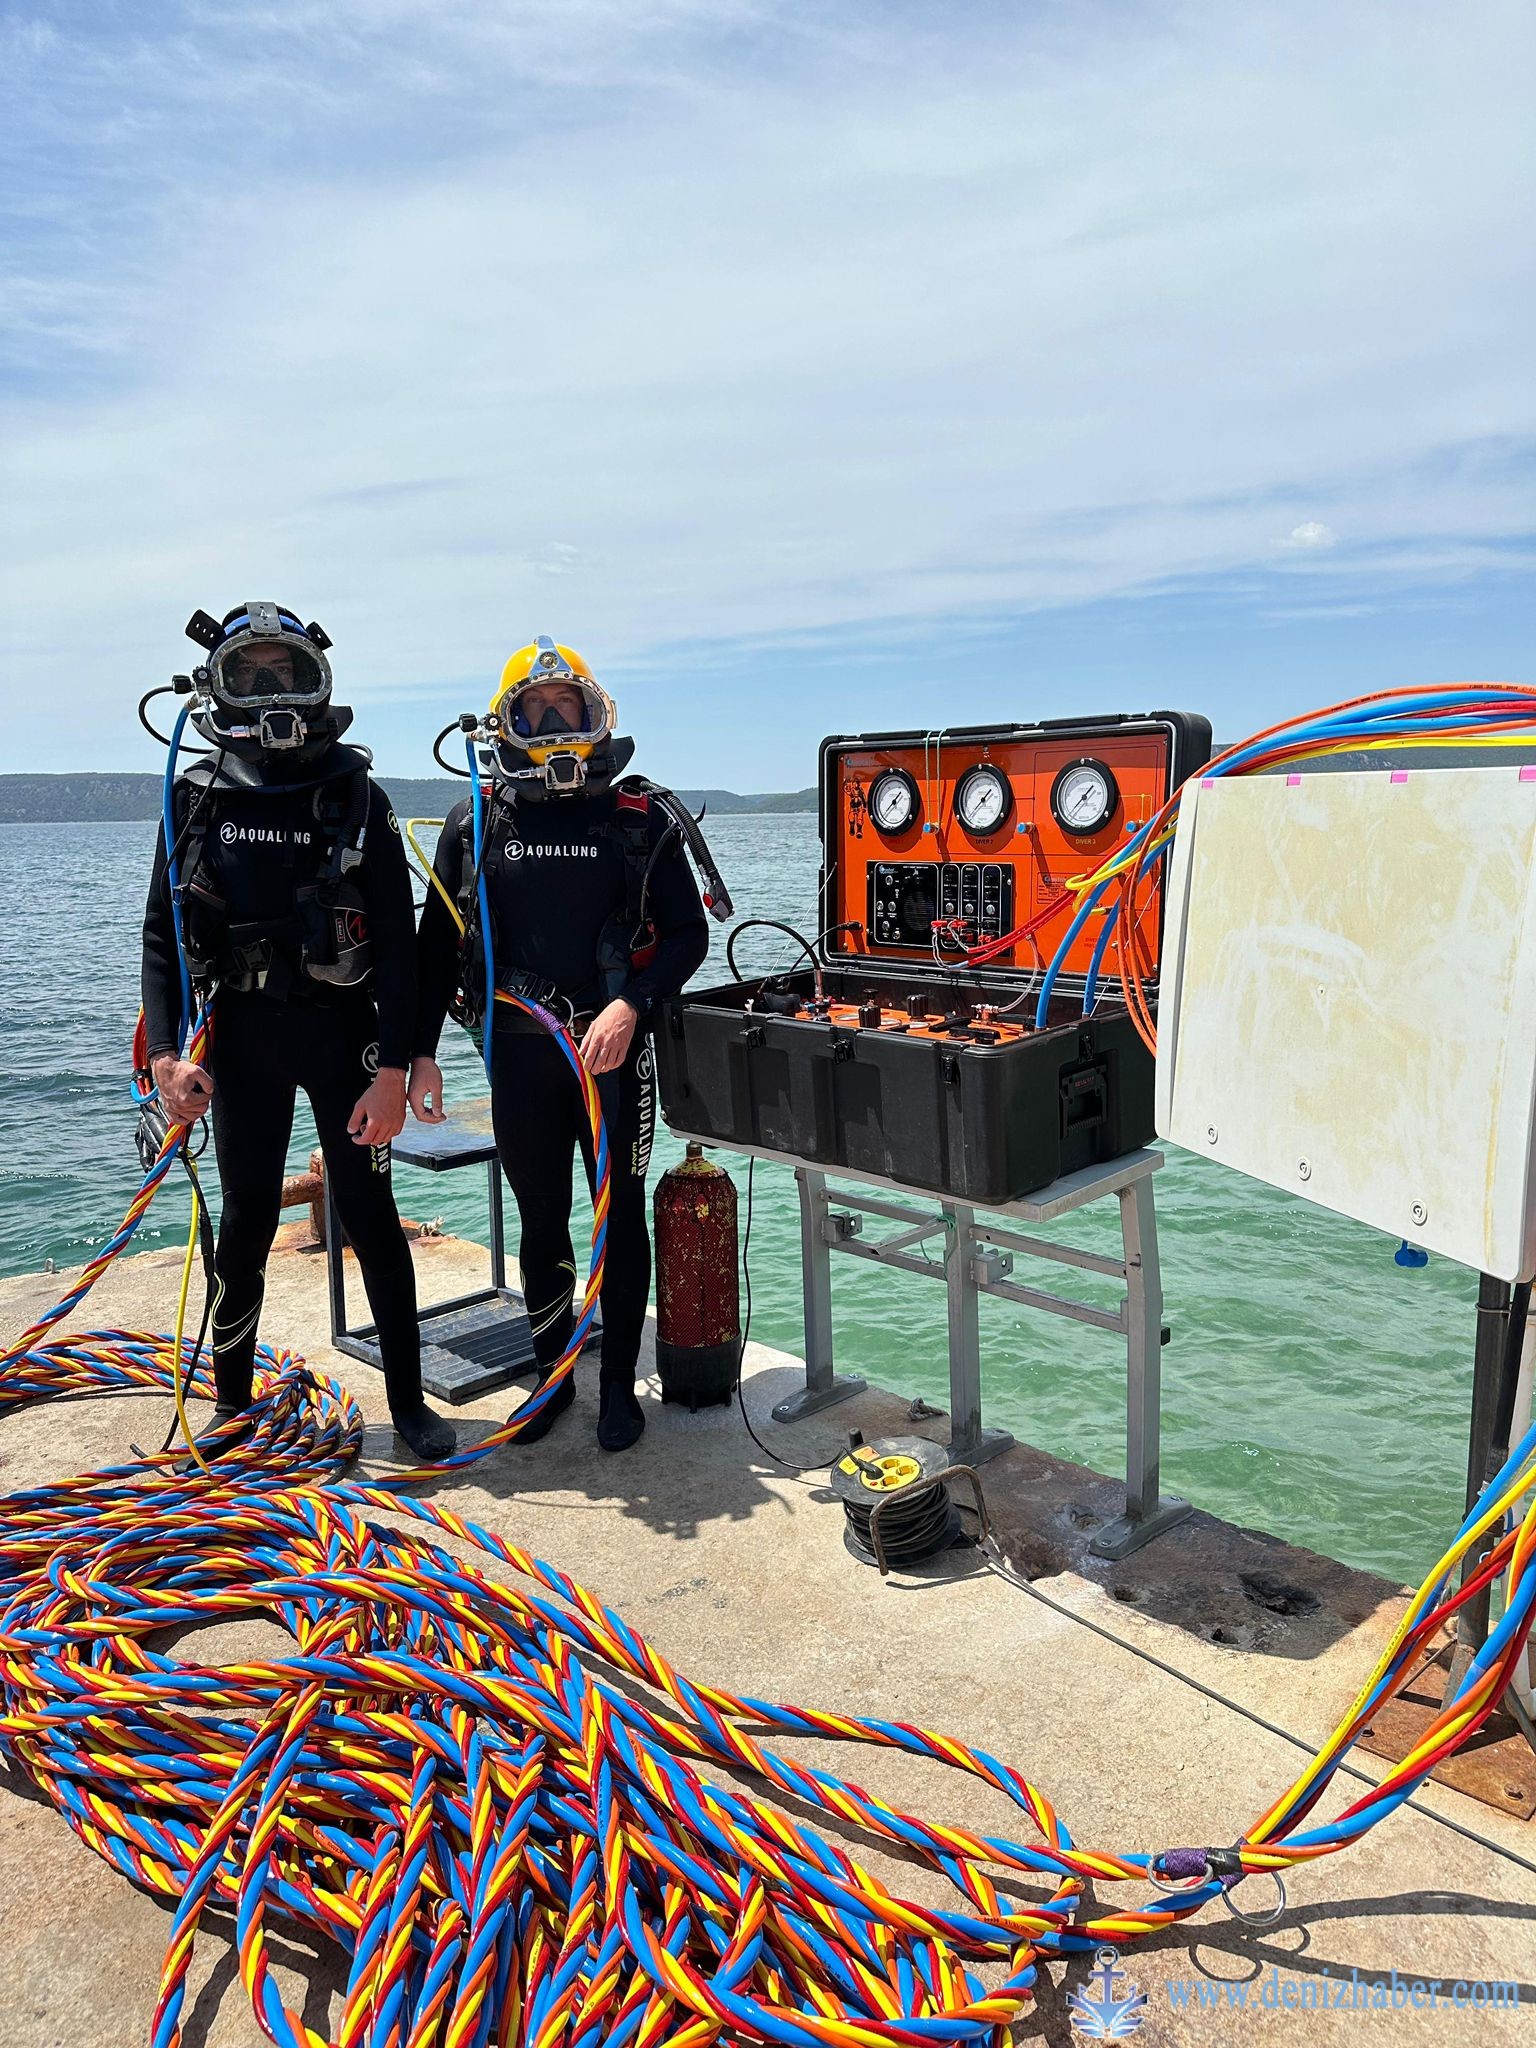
(645, 1127)
(262, 835)
(518, 849)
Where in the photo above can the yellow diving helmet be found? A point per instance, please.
(553, 722)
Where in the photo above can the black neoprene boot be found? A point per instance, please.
(215, 1441)
(431, 1436)
(620, 1418)
(559, 1401)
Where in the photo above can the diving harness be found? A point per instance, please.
(262, 700)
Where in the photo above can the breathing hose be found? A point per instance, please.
(1096, 959)
(772, 924)
(510, 1812)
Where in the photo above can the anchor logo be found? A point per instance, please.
(1100, 2011)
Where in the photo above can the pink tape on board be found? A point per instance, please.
(1293, 782)
(1528, 773)
(1207, 781)
(1399, 774)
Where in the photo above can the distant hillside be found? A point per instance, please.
(94, 799)
(74, 799)
(724, 803)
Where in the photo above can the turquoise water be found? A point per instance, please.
(1312, 1387)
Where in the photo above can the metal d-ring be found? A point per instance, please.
(1184, 1886)
(1266, 1919)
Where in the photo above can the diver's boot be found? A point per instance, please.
(620, 1418)
(559, 1401)
(215, 1442)
(431, 1436)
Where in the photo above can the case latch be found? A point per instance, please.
(1084, 1097)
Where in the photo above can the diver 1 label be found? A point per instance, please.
(274, 835)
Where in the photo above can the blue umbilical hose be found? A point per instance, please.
(477, 814)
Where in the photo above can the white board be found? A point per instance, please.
(1348, 999)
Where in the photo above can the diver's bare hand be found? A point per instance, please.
(380, 1112)
(608, 1036)
(425, 1093)
(185, 1089)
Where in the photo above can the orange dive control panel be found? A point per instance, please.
(938, 848)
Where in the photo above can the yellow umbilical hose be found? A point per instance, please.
(426, 870)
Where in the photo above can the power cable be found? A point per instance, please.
(788, 1464)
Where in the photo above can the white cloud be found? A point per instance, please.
(1310, 534)
(780, 329)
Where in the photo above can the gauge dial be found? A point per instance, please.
(983, 799)
(1083, 797)
(893, 800)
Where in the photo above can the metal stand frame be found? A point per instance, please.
(354, 1341)
(978, 1259)
(476, 1342)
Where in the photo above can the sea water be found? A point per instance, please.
(1312, 1387)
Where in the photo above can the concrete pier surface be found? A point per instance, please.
(736, 1570)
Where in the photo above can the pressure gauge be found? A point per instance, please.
(983, 799)
(1083, 797)
(893, 801)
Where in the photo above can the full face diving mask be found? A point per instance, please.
(266, 678)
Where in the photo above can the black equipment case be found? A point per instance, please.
(925, 1070)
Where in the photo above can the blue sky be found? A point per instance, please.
(809, 368)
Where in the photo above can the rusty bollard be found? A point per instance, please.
(309, 1187)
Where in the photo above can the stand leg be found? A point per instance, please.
(823, 1386)
(969, 1443)
(1147, 1511)
(335, 1266)
(1493, 1298)
(498, 1225)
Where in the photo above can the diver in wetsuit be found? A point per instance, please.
(296, 911)
(594, 912)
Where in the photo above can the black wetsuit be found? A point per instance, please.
(260, 848)
(555, 879)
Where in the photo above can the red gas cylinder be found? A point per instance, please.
(698, 1310)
